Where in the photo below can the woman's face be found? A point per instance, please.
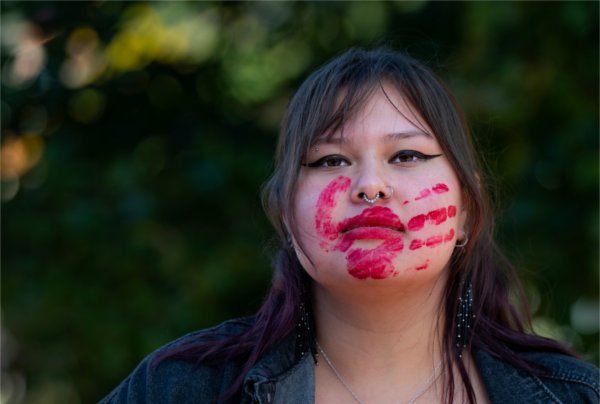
(409, 231)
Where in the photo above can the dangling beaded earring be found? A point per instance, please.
(464, 319)
(305, 341)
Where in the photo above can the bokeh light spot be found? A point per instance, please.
(86, 60)
(163, 32)
(584, 316)
(24, 41)
(19, 154)
(87, 105)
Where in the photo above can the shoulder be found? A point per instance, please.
(177, 381)
(562, 379)
(567, 369)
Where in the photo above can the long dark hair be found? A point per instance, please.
(323, 103)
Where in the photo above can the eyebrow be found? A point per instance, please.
(389, 138)
(405, 135)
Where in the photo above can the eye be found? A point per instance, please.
(408, 157)
(329, 161)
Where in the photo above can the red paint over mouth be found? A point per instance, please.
(371, 233)
(377, 216)
(375, 223)
(376, 262)
(366, 233)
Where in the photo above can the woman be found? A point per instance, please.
(388, 286)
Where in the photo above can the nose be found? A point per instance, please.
(371, 187)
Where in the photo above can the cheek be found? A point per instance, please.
(427, 241)
(315, 204)
(432, 223)
(432, 219)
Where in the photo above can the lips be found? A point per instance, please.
(371, 232)
(370, 260)
(375, 217)
(376, 223)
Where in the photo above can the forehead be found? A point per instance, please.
(383, 111)
(341, 138)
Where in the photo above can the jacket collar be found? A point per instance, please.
(293, 375)
(282, 375)
(506, 384)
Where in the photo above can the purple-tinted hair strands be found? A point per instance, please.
(326, 99)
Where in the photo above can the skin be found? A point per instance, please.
(366, 161)
(379, 327)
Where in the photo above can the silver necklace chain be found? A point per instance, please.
(420, 391)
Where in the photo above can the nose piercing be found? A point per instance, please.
(379, 194)
(369, 200)
(388, 194)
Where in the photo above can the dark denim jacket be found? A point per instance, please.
(279, 377)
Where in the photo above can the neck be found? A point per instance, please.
(377, 336)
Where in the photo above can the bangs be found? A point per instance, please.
(333, 94)
(339, 107)
(352, 97)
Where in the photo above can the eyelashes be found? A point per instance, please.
(412, 156)
(402, 158)
(333, 160)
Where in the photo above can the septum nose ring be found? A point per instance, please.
(370, 200)
(387, 195)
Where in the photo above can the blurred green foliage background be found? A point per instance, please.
(135, 137)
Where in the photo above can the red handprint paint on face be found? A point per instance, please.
(451, 211)
(325, 204)
(375, 262)
(449, 236)
(432, 241)
(437, 217)
(437, 188)
(423, 194)
(423, 266)
(416, 223)
(374, 223)
(440, 188)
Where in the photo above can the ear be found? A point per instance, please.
(286, 229)
(463, 221)
(463, 216)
